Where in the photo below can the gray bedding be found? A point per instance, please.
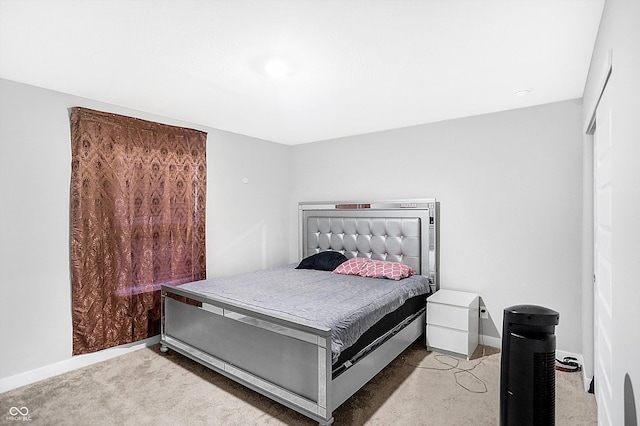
(346, 304)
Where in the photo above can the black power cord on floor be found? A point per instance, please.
(568, 364)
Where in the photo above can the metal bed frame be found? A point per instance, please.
(289, 362)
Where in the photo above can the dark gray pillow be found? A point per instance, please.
(323, 261)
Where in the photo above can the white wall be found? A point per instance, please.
(620, 32)
(35, 158)
(510, 187)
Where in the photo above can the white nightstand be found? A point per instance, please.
(452, 322)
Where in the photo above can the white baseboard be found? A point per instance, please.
(72, 363)
(586, 380)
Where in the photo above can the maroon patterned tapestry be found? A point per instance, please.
(138, 192)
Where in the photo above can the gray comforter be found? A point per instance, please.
(346, 304)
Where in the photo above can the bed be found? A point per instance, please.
(310, 338)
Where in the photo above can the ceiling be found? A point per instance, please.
(338, 67)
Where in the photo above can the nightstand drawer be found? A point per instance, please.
(448, 316)
(448, 339)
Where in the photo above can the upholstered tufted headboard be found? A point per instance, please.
(400, 231)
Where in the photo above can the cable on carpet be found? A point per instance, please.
(454, 366)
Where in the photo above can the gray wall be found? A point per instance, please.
(35, 158)
(510, 187)
(620, 32)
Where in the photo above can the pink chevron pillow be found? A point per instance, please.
(352, 266)
(370, 268)
(386, 269)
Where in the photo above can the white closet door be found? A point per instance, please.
(603, 285)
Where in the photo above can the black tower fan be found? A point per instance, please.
(528, 376)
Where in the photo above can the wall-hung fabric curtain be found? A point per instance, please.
(137, 222)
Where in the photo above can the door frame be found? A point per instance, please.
(590, 128)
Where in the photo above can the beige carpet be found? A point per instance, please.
(149, 388)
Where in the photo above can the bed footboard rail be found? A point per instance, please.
(287, 361)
